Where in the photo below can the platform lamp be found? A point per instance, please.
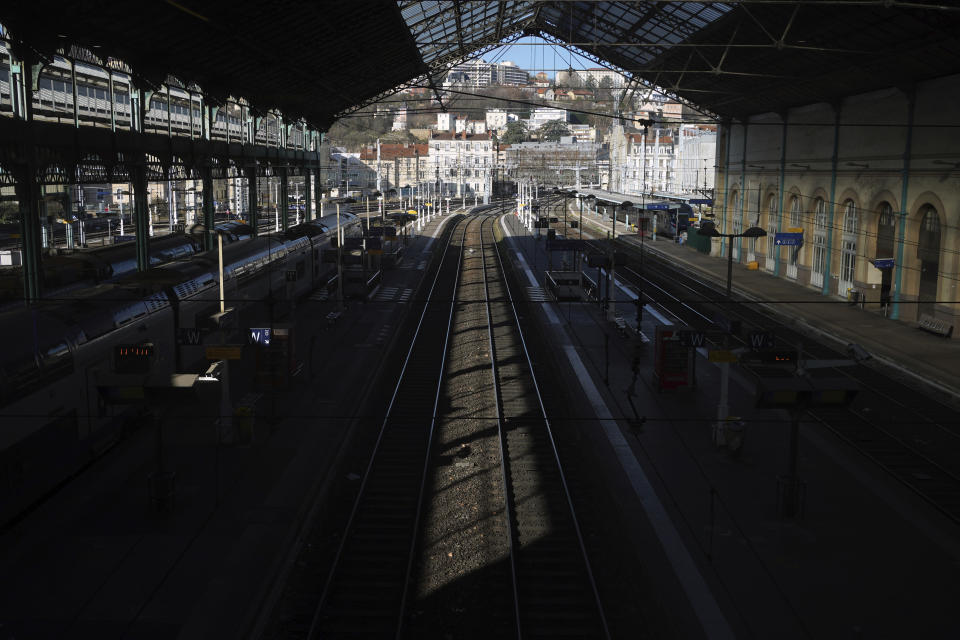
(709, 229)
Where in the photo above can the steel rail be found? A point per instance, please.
(312, 633)
(553, 446)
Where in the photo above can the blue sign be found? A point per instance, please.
(259, 336)
(883, 263)
(662, 206)
(706, 201)
(788, 239)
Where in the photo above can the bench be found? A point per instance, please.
(938, 327)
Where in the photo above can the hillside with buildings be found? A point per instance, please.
(499, 123)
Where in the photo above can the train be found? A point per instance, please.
(60, 353)
(674, 219)
(68, 270)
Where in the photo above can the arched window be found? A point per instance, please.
(928, 250)
(793, 252)
(886, 234)
(819, 242)
(795, 212)
(848, 264)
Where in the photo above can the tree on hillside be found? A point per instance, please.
(516, 132)
(604, 92)
(552, 130)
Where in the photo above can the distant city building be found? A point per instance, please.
(576, 78)
(663, 160)
(552, 163)
(539, 117)
(496, 119)
(400, 119)
(480, 73)
(462, 163)
(399, 165)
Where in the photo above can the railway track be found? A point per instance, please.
(366, 590)
(465, 461)
(553, 584)
(910, 435)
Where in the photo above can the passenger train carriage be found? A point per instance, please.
(59, 351)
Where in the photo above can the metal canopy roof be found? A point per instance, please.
(320, 60)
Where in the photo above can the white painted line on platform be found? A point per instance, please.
(436, 232)
(547, 307)
(711, 618)
(656, 315)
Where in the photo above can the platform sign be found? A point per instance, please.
(259, 335)
(658, 206)
(225, 352)
(691, 338)
(673, 362)
(276, 362)
(706, 201)
(883, 263)
(788, 239)
(189, 336)
(760, 339)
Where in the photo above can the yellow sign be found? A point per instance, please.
(225, 352)
(411, 212)
(721, 355)
(794, 229)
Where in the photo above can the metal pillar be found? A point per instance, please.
(307, 204)
(141, 214)
(28, 196)
(905, 181)
(783, 178)
(743, 197)
(206, 174)
(284, 189)
(726, 182)
(825, 290)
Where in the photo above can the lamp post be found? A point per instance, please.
(709, 229)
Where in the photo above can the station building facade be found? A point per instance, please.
(871, 180)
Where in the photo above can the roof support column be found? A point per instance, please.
(307, 199)
(743, 194)
(206, 175)
(318, 187)
(726, 184)
(825, 290)
(141, 213)
(905, 183)
(284, 189)
(28, 200)
(783, 179)
(252, 190)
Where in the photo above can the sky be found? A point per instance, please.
(535, 54)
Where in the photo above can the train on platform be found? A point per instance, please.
(61, 353)
(67, 270)
(672, 218)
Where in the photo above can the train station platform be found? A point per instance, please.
(867, 558)
(97, 559)
(930, 360)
